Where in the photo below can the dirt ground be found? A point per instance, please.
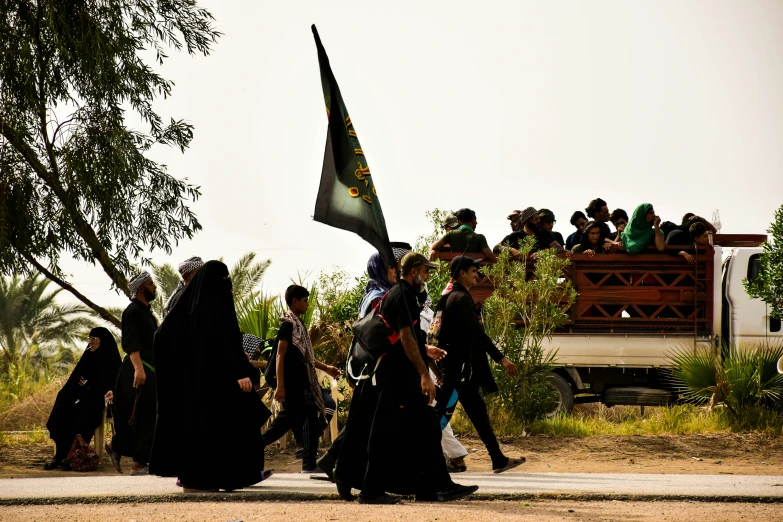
(741, 454)
(495, 511)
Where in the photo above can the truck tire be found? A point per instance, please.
(564, 392)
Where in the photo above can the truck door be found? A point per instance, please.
(750, 321)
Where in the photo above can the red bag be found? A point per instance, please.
(82, 457)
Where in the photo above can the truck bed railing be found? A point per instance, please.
(640, 293)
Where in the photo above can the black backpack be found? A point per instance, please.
(373, 337)
(270, 373)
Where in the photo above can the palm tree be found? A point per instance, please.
(166, 279)
(246, 276)
(37, 334)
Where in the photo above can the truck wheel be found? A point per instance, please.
(565, 395)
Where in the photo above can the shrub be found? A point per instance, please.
(518, 316)
(739, 377)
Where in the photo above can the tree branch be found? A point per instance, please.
(105, 314)
(81, 225)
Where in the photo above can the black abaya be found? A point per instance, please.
(208, 431)
(78, 409)
(392, 437)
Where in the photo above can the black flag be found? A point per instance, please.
(346, 197)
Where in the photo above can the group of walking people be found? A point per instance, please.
(186, 399)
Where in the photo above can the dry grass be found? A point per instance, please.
(32, 411)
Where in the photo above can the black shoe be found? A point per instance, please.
(426, 497)
(344, 491)
(383, 498)
(456, 492)
(53, 464)
(64, 466)
(310, 471)
(327, 463)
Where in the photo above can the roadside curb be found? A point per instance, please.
(273, 496)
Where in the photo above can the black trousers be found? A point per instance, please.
(337, 445)
(297, 416)
(476, 410)
(330, 406)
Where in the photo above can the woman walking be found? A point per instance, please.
(209, 422)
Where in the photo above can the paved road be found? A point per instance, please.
(124, 488)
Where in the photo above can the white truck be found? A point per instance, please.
(634, 310)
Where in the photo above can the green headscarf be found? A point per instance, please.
(638, 233)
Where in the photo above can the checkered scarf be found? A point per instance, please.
(400, 251)
(189, 265)
(302, 341)
(136, 282)
(251, 344)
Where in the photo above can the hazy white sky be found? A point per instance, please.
(487, 105)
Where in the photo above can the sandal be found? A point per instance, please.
(511, 464)
(453, 468)
(138, 472)
(115, 458)
(265, 475)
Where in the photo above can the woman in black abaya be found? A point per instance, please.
(208, 431)
(78, 409)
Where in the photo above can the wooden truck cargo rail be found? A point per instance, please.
(642, 293)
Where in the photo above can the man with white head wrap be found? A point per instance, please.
(135, 399)
(187, 269)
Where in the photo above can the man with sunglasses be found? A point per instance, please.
(548, 221)
(531, 226)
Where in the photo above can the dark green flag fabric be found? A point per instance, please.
(347, 198)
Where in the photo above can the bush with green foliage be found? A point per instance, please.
(739, 377)
(768, 285)
(524, 310)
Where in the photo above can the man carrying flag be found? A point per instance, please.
(392, 438)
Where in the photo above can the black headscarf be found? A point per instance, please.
(99, 367)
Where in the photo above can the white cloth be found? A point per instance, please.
(452, 448)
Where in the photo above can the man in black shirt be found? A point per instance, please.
(403, 435)
(697, 234)
(297, 387)
(579, 220)
(465, 368)
(531, 226)
(135, 398)
(548, 221)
